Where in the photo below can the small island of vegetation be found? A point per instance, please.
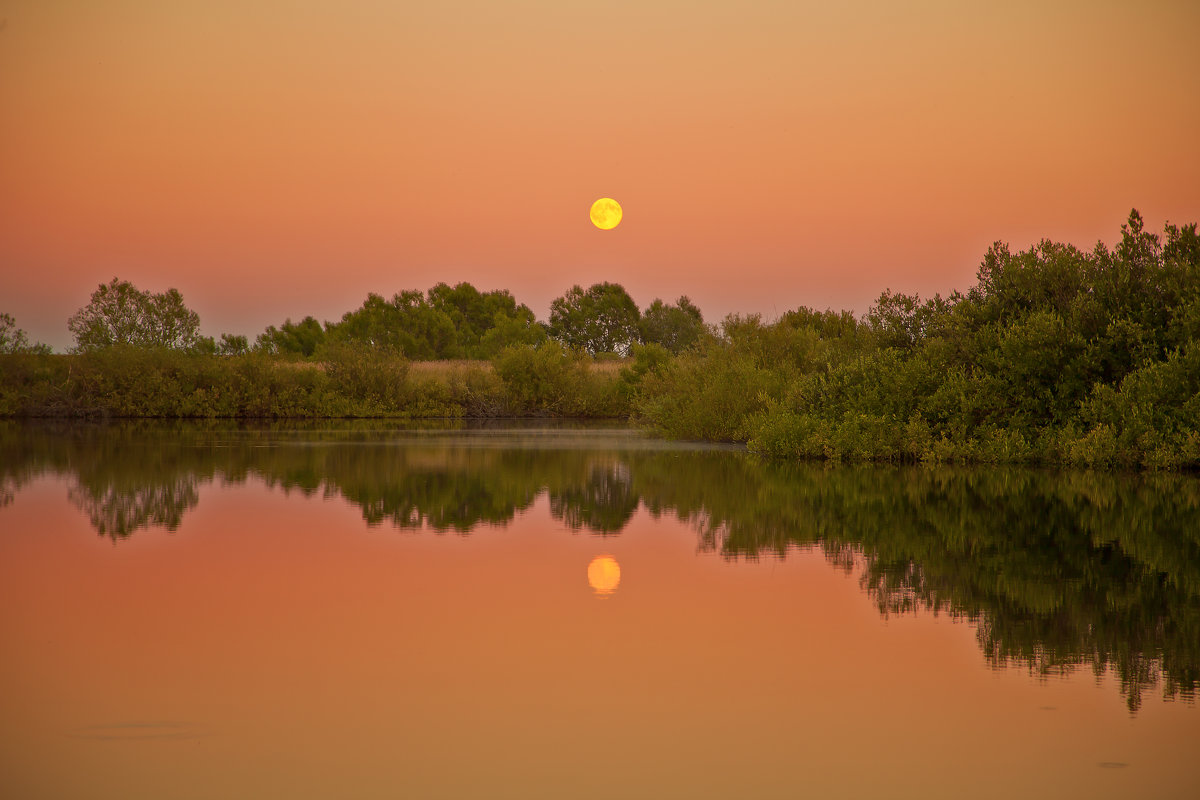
(1055, 356)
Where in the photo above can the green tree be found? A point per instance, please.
(14, 340)
(292, 338)
(604, 319)
(204, 346)
(121, 314)
(509, 331)
(485, 322)
(676, 327)
(407, 324)
(233, 345)
(903, 321)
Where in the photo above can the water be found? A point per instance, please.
(364, 610)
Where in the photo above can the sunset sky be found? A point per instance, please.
(279, 159)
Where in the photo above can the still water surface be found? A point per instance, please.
(365, 610)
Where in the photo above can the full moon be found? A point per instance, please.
(604, 574)
(606, 213)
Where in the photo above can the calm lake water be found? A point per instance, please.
(364, 610)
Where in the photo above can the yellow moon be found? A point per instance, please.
(604, 574)
(606, 213)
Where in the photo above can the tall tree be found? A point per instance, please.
(120, 313)
(676, 327)
(485, 322)
(407, 324)
(292, 338)
(603, 319)
(233, 345)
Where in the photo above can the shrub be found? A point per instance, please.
(374, 381)
(707, 396)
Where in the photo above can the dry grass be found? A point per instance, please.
(447, 366)
(287, 363)
(450, 366)
(609, 367)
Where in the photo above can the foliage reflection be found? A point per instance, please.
(1055, 570)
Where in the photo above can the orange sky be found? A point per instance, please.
(282, 159)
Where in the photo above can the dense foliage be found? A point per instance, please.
(348, 381)
(447, 323)
(121, 314)
(292, 338)
(602, 319)
(461, 322)
(1056, 356)
(676, 328)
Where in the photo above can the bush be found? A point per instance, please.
(707, 396)
(548, 379)
(375, 381)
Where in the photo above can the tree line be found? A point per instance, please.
(447, 322)
(1056, 356)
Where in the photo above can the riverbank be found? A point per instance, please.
(136, 382)
(1055, 357)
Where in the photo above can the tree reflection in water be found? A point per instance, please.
(1056, 570)
(603, 502)
(118, 511)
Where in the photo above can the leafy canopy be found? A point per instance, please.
(121, 314)
(292, 338)
(447, 322)
(676, 327)
(603, 319)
